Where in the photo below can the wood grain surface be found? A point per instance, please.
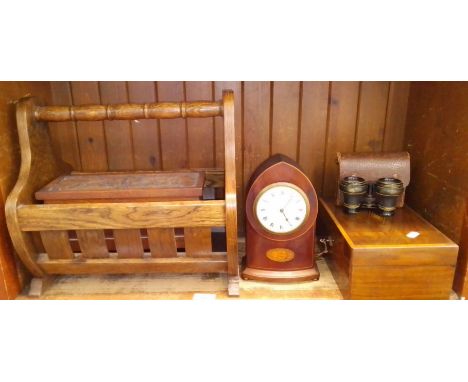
(236, 87)
(200, 131)
(128, 243)
(162, 242)
(56, 244)
(40, 165)
(208, 213)
(230, 197)
(117, 187)
(168, 286)
(341, 131)
(174, 138)
(397, 105)
(372, 111)
(126, 266)
(91, 136)
(313, 129)
(65, 133)
(437, 139)
(13, 276)
(92, 243)
(370, 230)
(118, 134)
(197, 241)
(285, 118)
(146, 132)
(460, 282)
(372, 258)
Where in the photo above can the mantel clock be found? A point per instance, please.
(281, 210)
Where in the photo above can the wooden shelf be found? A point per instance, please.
(183, 287)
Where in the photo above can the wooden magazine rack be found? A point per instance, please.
(26, 217)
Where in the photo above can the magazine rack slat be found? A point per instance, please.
(39, 166)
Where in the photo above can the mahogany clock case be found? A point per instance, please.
(260, 266)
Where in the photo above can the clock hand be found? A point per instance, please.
(290, 198)
(282, 211)
(284, 208)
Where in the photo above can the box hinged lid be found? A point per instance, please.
(367, 229)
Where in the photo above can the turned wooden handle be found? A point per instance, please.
(163, 110)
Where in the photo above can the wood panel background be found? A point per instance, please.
(437, 139)
(308, 121)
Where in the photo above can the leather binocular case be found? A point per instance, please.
(373, 167)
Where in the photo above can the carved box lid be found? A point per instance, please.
(149, 186)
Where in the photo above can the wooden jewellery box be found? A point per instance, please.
(398, 257)
(114, 223)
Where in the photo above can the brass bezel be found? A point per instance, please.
(287, 184)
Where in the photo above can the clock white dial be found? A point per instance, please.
(281, 208)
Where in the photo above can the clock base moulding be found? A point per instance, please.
(310, 274)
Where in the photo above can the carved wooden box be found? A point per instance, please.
(119, 187)
(372, 257)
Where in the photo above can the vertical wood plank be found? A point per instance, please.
(236, 87)
(460, 281)
(92, 243)
(64, 135)
(4, 295)
(173, 131)
(91, 137)
(371, 116)
(57, 244)
(340, 131)
(162, 242)
(256, 126)
(120, 156)
(285, 124)
(200, 130)
(230, 195)
(147, 149)
(314, 112)
(219, 125)
(197, 241)
(128, 243)
(396, 116)
(9, 282)
(118, 134)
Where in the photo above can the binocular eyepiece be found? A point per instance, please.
(382, 194)
(354, 188)
(387, 191)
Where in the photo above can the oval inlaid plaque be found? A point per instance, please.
(280, 255)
